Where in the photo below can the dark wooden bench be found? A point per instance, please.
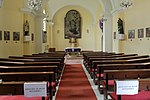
(37, 59)
(99, 76)
(56, 70)
(96, 64)
(117, 58)
(12, 82)
(86, 56)
(89, 61)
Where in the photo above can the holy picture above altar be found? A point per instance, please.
(72, 25)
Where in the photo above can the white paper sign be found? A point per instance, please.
(32, 89)
(1, 81)
(127, 87)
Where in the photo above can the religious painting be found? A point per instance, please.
(140, 33)
(16, 36)
(0, 35)
(44, 36)
(6, 35)
(72, 25)
(148, 32)
(131, 34)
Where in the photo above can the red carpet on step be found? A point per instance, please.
(74, 84)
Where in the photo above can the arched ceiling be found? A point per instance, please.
(108, 6)
(89, 5)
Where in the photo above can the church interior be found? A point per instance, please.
(74, 50)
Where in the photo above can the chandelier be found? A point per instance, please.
(35, 4)
(126, 3)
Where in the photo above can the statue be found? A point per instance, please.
(120, 26)
(26, 28)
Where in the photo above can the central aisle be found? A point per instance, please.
(74, 84)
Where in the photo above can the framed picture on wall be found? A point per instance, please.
(140, 33)
(16, 36)
(0, 35)
(148, 32)
(6, 35)
(131, 34)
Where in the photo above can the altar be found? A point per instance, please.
(73, 50)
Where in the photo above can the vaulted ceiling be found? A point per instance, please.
(108, 6)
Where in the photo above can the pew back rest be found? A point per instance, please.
(126, 74)
(26, 76)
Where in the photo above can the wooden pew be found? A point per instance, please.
(95, 64)
(117, 58)
(86, 56)
(37, 59)
(35, 64)
(30, 69)
(123, 74)
(90, 60)
(86, 59)
(93, 61)
(102, 67)
(52, 54)
(12, 82)
(33, 69)
(26, 64)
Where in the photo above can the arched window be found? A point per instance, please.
(44, 21)
(44, 35)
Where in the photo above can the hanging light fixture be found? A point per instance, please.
(35, 4)
(126, 3)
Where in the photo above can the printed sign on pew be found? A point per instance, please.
(33, 89)
(127, 87)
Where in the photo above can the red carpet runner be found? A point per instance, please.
(74, 84)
